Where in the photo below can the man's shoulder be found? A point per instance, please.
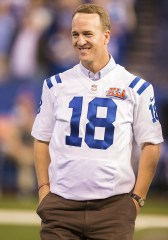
(59, 78)
(70, 71)
(134, 82)
(122, 74)
(121, 70)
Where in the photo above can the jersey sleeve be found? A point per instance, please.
(44, 122)
(146, 125)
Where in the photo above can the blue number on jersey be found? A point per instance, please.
(74, 139)
(94, 121)
(39, 108)
(153, 110)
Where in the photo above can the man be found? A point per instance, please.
(84, 130)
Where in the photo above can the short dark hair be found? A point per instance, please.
(92, 8)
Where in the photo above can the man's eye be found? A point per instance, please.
(74, 35)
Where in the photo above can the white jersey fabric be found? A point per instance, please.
(90, 127)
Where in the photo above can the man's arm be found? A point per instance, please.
(150, 154)
(42, 161)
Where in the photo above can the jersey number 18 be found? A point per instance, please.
(94, 121)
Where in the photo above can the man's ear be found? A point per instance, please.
(107, 37)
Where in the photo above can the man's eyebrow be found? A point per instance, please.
(74, 32)
(84, 32)
(87, 32)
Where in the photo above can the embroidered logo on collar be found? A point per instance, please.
(94, 87)
(116, 93)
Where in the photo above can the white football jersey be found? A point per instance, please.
(90, 127)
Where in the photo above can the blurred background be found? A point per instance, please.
(35, 43)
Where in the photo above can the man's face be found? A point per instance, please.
(89, 38)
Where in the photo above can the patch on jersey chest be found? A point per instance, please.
(116, 93)
(94, 87)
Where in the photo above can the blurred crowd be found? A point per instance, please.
(35, 35)
(35, 43)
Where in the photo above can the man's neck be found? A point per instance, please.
(96, 66)
(102, 72)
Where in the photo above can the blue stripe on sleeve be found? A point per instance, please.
(134, 82)
(143, 87)
(58, 79)
(49, 83)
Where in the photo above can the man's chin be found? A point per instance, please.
(85, 59)
(85, 62)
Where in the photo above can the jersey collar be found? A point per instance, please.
(96, 76)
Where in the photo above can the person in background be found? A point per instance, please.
(8, 27)
(84, 129)
(17, 147)
(25, 67)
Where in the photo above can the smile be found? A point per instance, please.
(83, 49)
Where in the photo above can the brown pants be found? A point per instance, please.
(108, 219)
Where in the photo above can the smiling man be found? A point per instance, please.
(83, 132)
(90, 38)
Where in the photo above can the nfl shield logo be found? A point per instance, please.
(94, 87)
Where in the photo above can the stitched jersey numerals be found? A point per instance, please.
(94, 121)
(152, 108)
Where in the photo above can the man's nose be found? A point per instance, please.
(81, 40)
